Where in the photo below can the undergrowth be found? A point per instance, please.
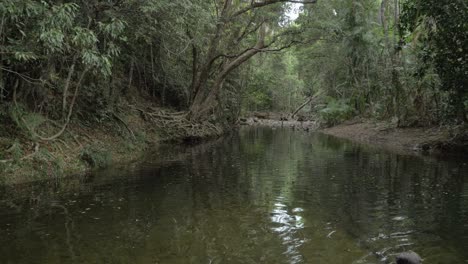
(96, 156)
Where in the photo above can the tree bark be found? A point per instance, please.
(130, 78)
(383, 21)
(205, 100)
(202, 75)
(65, 89)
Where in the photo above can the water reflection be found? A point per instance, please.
(260, 196)
(288, 226)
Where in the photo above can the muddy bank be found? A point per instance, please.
(429, 140)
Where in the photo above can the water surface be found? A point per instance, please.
(257, 196)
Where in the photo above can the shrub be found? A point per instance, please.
(45, 163)
(336, 112)
(96, 156)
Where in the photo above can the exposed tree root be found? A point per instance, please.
(177, 124)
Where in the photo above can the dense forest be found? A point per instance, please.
(91, 62)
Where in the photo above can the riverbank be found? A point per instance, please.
(429, 140)
(120, 138)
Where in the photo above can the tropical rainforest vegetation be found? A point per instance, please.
(82, 61)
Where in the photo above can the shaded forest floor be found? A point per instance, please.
(431, 140)
(123, 137)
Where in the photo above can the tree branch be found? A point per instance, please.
(246, 30)
(305, 103)
(254, 5)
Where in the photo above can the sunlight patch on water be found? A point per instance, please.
(287, 224)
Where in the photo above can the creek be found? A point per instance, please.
(259, 195)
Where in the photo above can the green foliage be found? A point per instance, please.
(362, 59)
(336, 112)
(48, 164)
(344, 62)
(25, 120)
(272, 83)
(438, 28)
(141, 137)
(16, 151)
(96, 156)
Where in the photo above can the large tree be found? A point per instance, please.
(242, 29)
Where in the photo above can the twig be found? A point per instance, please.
(24, 77)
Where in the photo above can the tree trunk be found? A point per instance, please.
(130, 78)
(460, 107)
(2, 83)
(65, 89)
(383, 21)
(205, 98)
(202, 75)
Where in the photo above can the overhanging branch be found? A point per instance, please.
(254, 5)
(268, 49)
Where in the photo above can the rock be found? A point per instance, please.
(409, 257)
(302, 118)
(261, 115)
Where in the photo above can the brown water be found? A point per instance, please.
(258, 196)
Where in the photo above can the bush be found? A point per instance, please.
(96, 156)
(45, 163)
(24, 120)
(336, 112)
